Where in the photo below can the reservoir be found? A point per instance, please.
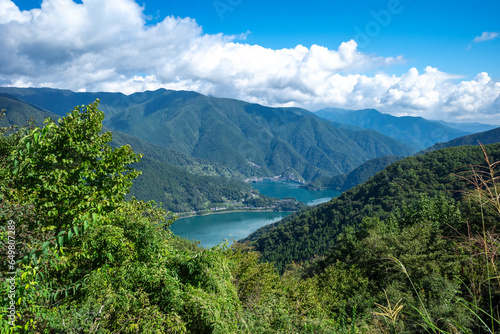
(212, 229)
(292, 189)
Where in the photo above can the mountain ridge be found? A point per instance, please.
(417, 132)
(312, 232)
(249, 139)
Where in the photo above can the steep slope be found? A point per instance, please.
(18, 112)
(359, 175)
(172, 157)
(312, 232)
(487, 137)
(181, 191)
(250, 138)
(167, 174)
(247, 138)
(416, 132)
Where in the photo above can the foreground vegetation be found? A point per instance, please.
(88, 261)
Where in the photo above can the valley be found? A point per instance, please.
(276, 203)
(249, 167)
(244, 220)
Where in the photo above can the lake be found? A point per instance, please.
(212, 229)
(292, 189)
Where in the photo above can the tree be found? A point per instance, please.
(68, 170)
(86, 260)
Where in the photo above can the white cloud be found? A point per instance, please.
(486, 36)
(107, 46)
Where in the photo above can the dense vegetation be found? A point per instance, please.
(359, 175)
(246, 138)
(179, 182)
(486, 137)
(305, 234)
(88, 261)
(21, 112)
(417, 132)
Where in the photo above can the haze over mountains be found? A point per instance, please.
(417, 132)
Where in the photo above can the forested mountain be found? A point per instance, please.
(80, 258)
(247, 138)
(19, 112)
(181, 183)
(303, 235)
(172, 157)
(359, 175)
(417, 132)
(469, 127)
(487, 137)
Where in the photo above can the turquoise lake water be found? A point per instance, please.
(212, 229)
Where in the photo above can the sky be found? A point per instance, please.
(435, 59)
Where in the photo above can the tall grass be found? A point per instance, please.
(484, 247)
(481, 247)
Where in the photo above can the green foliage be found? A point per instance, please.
(359, 175)
(248, 139)
(68, 170)
(80, 246)
(308, 233)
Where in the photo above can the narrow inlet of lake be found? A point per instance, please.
(212, 229)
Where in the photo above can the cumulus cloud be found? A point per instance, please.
(486, 36)
(108, 46)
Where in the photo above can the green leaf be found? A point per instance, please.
(45, 246)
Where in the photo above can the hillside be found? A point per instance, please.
(181, 183)
(469, 127)
(246, 138)
(417, 132)
(118, 264)
(172, 157)
(313, 232)
(251, 139)
(359, 175)
(19, 112)
(487, 137)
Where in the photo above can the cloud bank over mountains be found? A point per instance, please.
(111, 46)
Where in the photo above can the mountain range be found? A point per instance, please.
(181, 183)
(246, 138)
(196, 148)
(417, 132)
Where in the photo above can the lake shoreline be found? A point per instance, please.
(210, 227)
(226, 211)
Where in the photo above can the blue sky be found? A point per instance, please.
(427, 33)
(437, 59)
